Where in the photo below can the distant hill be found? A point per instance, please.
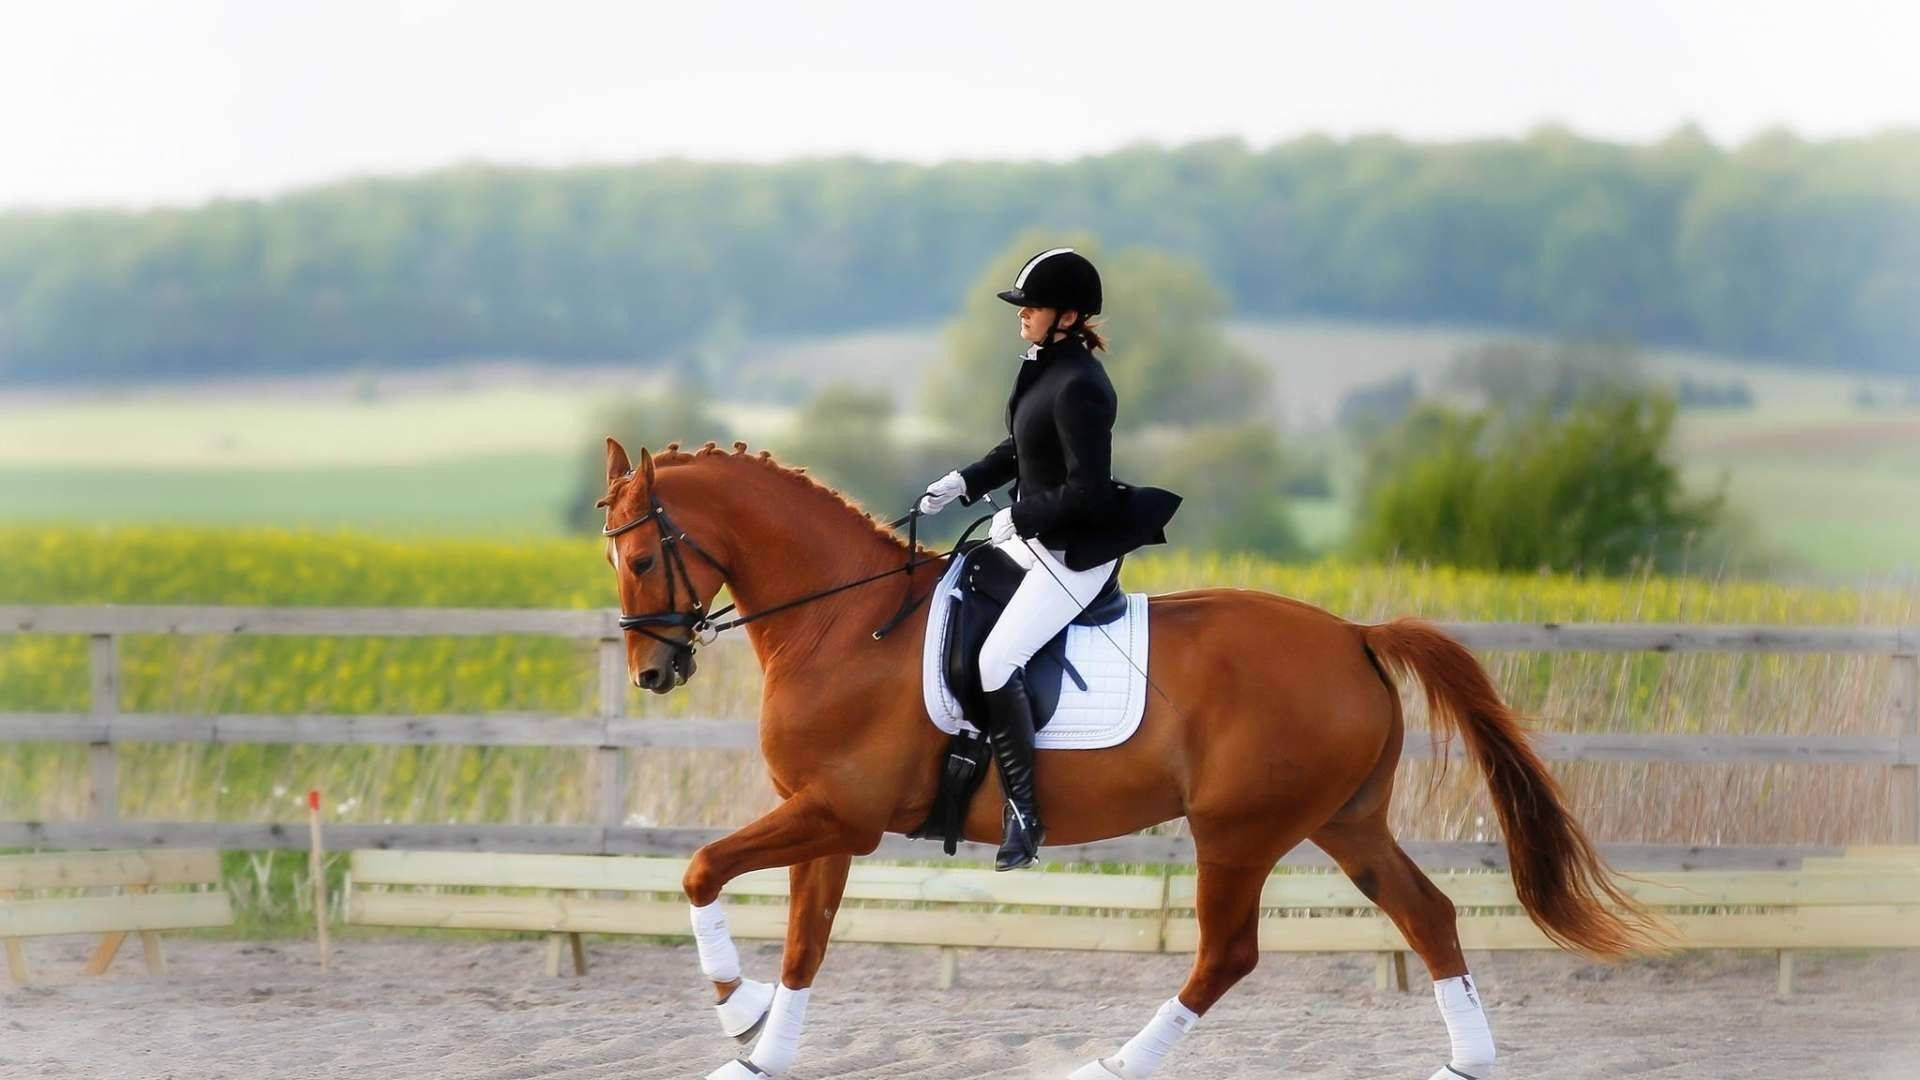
(1777, 248)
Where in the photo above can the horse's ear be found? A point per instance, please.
(617, 464)
(646, 467)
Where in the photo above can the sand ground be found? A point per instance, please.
(483, 1009)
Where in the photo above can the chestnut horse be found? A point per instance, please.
(1276, 723)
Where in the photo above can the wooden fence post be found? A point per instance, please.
(110, 946)
(1390, 971)
(610, 762)
(1904, 701)
(150, 941)
(103, 803)
(16, 956)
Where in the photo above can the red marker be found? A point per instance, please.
(313, 800)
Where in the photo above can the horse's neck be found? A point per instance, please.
(784, 545)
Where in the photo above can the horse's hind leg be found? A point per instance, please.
(1228, 906)
(1369, 855)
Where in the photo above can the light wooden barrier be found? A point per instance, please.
(611, 731)
(1869, 899)
(1852, 902)
(951, 907)
(138, 910)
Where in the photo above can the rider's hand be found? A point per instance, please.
(1002, 529)
(941, 492)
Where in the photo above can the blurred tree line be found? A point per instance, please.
(1778, 247)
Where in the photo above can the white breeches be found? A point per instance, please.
(1039, 608)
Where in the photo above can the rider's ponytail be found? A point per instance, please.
(1089, 331)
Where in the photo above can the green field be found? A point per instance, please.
(1825, 488)
(495, 494)
(1840, 519)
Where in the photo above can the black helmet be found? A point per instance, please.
(1059, 278)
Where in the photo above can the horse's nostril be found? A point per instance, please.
(649, 678)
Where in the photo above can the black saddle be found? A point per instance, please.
(987, 580)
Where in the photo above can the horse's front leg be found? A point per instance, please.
(804, 834)
(813, 898)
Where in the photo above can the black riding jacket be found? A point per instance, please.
(1060, 448)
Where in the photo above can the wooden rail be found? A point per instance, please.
(601, 624)
(610, 731)
(535, 729)
(1860, 900)
(603, 840)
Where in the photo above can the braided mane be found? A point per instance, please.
(672, 455)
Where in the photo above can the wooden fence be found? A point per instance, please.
(610, 731)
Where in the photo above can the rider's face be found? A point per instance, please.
(1035, 320)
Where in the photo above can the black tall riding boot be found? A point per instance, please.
(1010, 714)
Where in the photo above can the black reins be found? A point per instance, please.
(702, 626)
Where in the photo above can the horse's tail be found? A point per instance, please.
(1559, 878)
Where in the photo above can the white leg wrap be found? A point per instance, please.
(1143, 1053)
(719, 960)
(1467, 1029)
(781, 1037)
(744, 1007)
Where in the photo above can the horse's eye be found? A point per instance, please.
(641, 564)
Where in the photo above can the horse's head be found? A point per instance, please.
(666, 583)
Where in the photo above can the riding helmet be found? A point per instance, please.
(1059, 278)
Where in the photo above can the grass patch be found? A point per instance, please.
(497, 494)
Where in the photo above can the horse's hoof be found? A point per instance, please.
(745, 1038)
(745, 1010)
(739, 1069)
(1096, 1070)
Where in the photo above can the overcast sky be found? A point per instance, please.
(181, 101)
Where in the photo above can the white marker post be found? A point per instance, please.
(317, 869)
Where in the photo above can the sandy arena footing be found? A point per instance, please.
(483, 1011)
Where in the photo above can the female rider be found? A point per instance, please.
(1070, 521)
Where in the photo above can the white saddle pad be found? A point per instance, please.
(1106, 713)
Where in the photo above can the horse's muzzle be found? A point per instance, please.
(678, 672)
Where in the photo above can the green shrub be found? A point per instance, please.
(1589, 489)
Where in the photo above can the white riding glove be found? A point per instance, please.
(941, 492)
(1001, 530)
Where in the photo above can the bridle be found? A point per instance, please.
(701, 625)
(697, 622)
